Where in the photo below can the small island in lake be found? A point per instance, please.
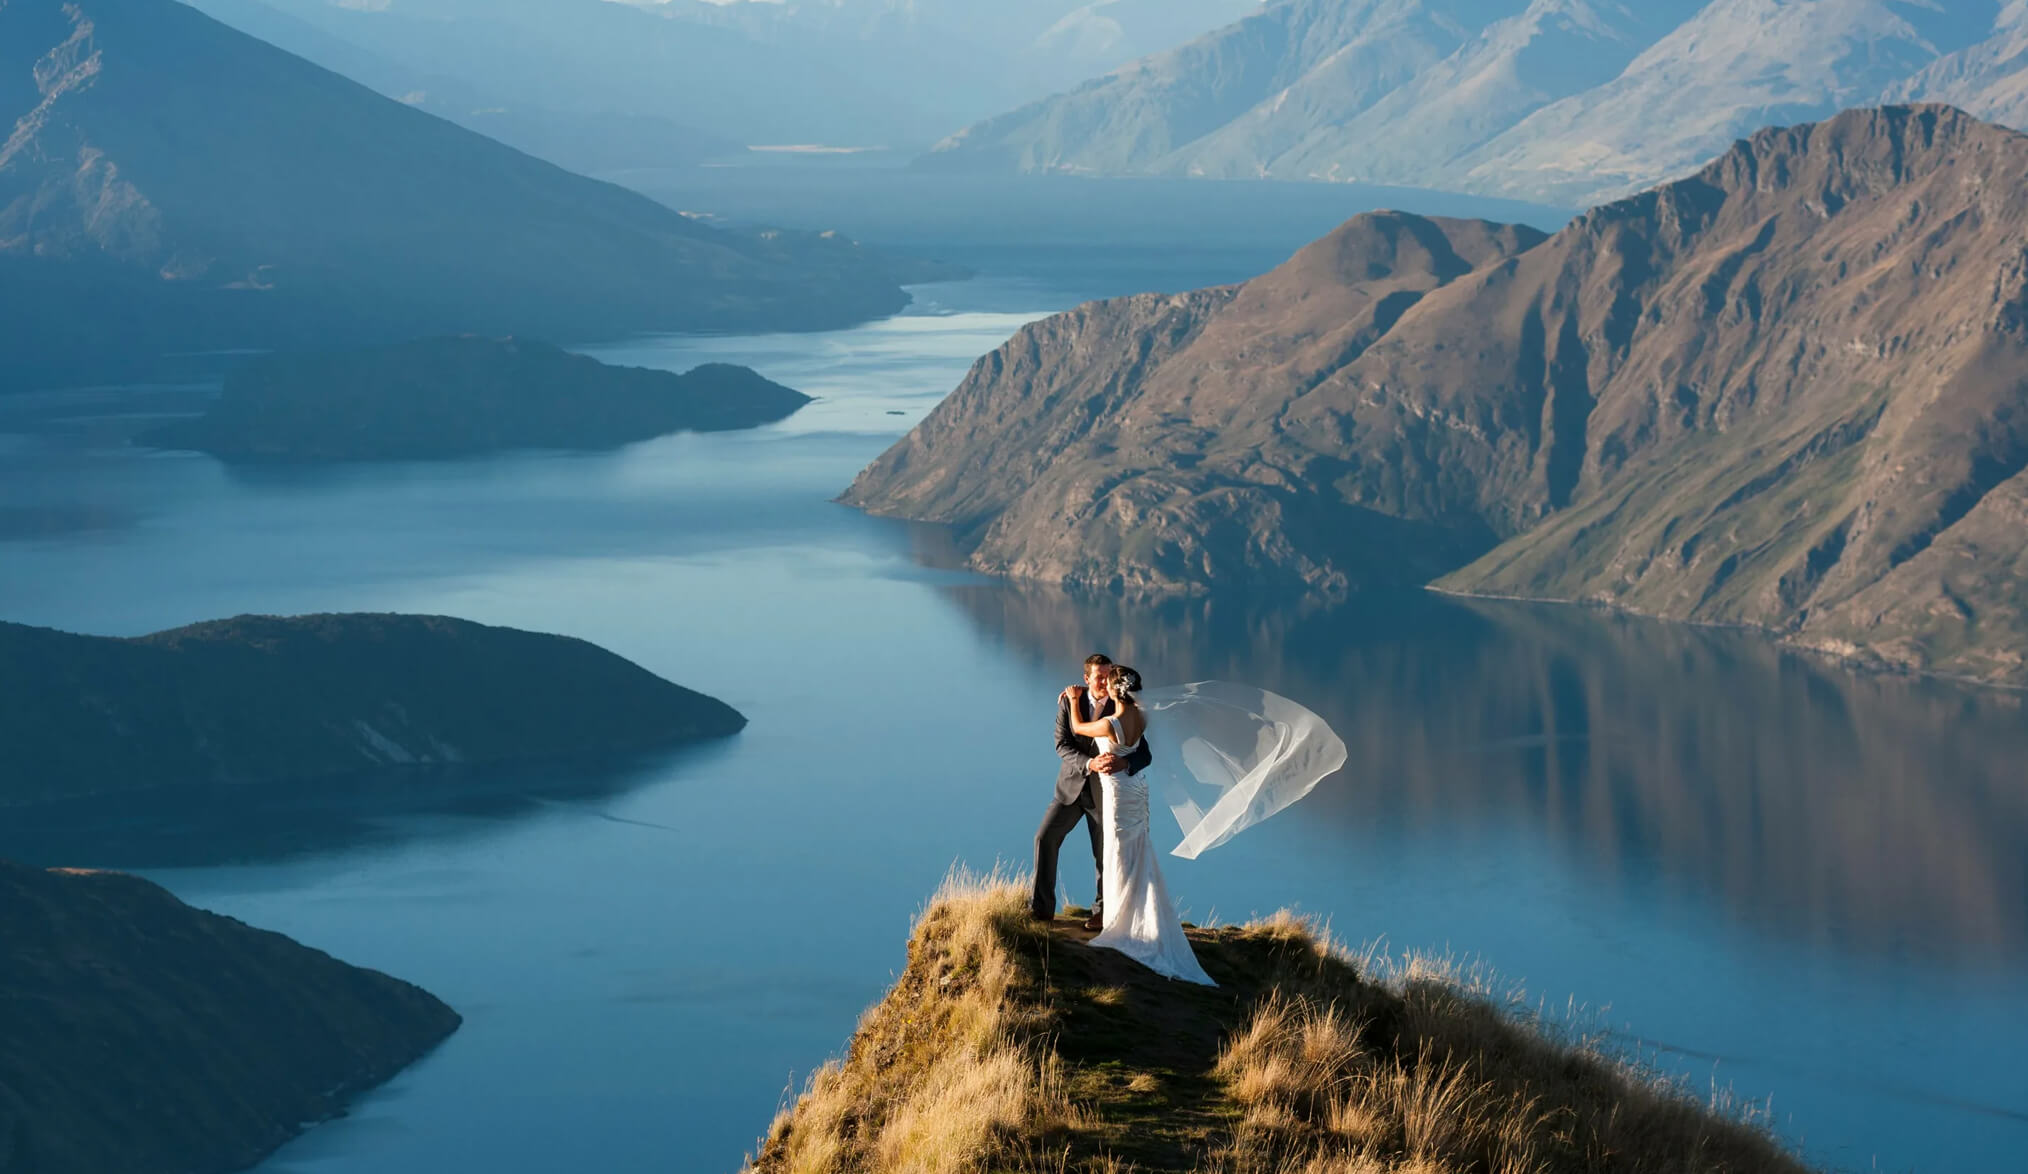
(1007, 1044)
(149, 1037)
(462, 396)
(270, 699)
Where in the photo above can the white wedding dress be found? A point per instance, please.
(1140, 920)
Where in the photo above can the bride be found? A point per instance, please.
(1140, 920)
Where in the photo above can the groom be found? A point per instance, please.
(1077, 788)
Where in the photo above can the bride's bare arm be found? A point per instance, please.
(1092, 729)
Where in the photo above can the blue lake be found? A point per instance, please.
(1762, 872)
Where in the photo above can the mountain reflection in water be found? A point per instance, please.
(1849, 811)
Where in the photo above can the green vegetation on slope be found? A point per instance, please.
(1008, 1046)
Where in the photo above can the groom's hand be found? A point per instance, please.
(1106, 764)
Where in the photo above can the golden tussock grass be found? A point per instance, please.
(951, 1071)
(1006, 1046)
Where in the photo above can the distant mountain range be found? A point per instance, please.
(584, 141)
(170, 184)
(1789, 391)
(897, 74)
(1567, 102)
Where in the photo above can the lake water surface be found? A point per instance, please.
(1764, 873)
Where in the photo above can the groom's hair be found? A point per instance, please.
(1097, 658)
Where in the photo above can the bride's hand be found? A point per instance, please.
(1071, 693)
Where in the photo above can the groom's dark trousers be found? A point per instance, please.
(1077, 791)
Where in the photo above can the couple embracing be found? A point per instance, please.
(1102, 738)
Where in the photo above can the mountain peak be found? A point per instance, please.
(1872, 148)
(225, 194)
(1825, 166)
(1785, 391)
(1095, 1021)
(1564, 101)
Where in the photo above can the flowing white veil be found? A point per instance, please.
(1228, 756)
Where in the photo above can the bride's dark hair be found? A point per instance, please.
(1123, 680)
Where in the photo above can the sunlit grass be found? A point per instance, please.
(1005, 1046)
(950, 1071)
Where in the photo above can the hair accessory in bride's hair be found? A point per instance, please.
(1125, 680)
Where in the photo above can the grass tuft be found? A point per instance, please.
(1007, 1046)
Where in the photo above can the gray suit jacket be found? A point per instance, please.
(1077, 751)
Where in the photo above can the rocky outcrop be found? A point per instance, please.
(1803, 375)
(1127, 444)
(450, 397)
(263, 700)
(1008, 1044)
(1787, 391)
(149, 1037)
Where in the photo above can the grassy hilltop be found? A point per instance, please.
(1007, 1046)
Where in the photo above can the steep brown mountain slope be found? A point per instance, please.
(1789, 391)
(1125, 443)
(148, 1037)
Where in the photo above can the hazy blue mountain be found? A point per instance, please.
(592, 56)
(171, 184)
(576, 140)
(1142, 117)
(893, 73)
(1562, 101)
(1989, 79)
(1735, 66)
(1496, 77)
(988, 56)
